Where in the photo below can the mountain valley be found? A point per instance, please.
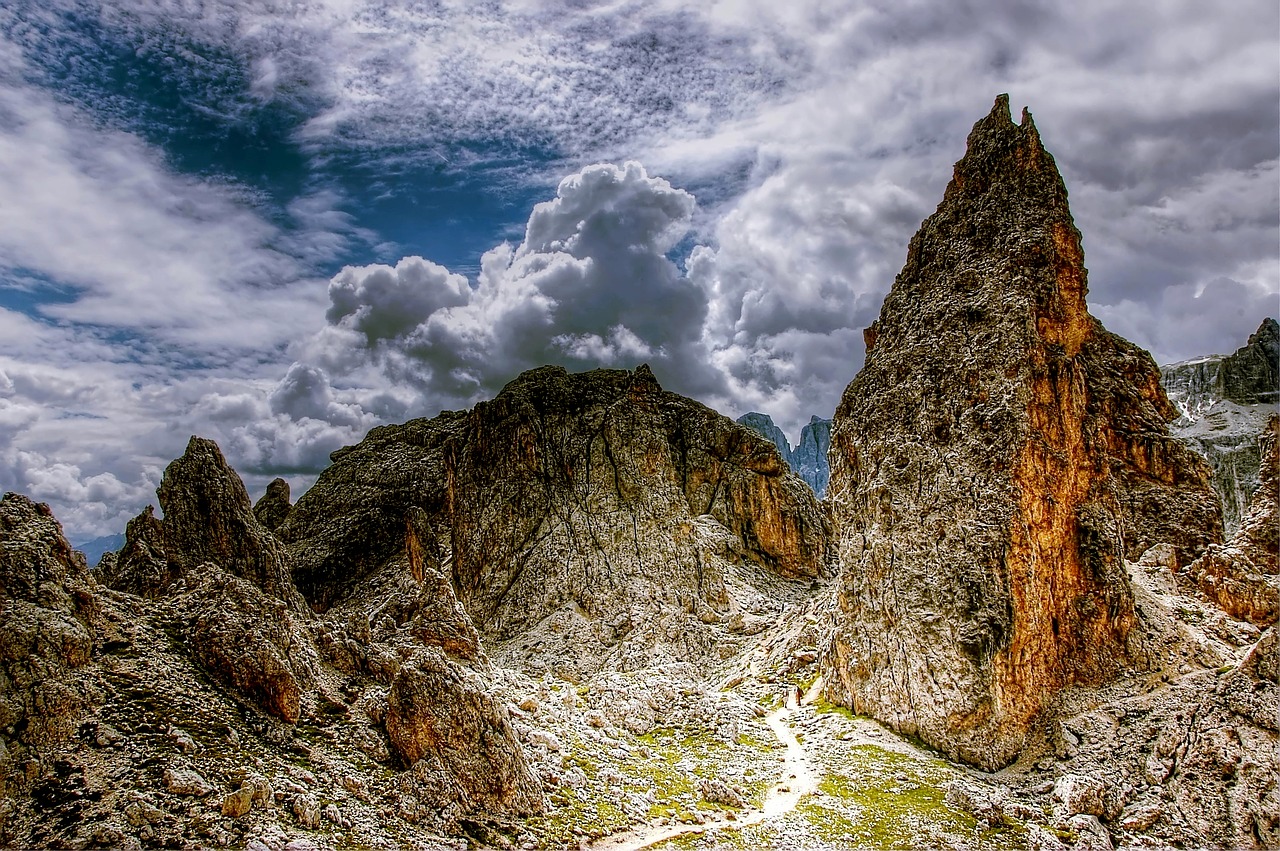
(1019, 592)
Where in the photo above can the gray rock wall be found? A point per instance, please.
(1224, 402)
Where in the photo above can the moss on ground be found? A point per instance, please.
(677, 759)
(822, 707)
(888, 800)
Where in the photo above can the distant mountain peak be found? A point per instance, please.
(809, 457)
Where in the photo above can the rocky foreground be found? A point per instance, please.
(594, 614)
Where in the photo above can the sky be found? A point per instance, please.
(279, 224)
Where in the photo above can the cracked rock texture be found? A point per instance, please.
(571, 612)
(993, 464)
(1224, 403)
(1193, 764)
(596, 515)
(48, 611)
(206, 671)
(444, 724)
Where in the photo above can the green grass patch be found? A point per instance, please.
(889, 800)
(822, 707)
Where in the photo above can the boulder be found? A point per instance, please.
(458, 739)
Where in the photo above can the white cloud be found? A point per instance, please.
(384, 303)
(188, 262)
(589, 285)
(1189, 319)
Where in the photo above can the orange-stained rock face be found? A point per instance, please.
(457, 739)
(991, 466)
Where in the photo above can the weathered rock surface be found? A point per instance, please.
(993, 463)
(141, 566)
(119, 706)
(274, 506)
(1193, 764)
(208, 518)
(445, 726)
(1224, 403)
(249, 641)
(764, 425)
(1242, 575)
(597, 510)
(47, 612)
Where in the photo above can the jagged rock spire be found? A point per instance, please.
(993, 462)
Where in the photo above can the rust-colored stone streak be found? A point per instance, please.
(458, 739)
(1064, 627)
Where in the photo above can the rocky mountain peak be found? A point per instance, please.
(993, 463)
(764, 425)
(208, 519)
(1260, 368)
(595, 517)
(1223, 403)
(809, 457)
(274, 506)
(583, 614)
(39, 562)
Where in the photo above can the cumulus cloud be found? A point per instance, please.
(589, 285)
(384, 303)
(93, 499)
(288, 428)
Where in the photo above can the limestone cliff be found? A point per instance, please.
(1223, 404)
(764, 425)
(1248, 376)
(992, 465)
(1243, 576)
(809, 458)
(602, 513)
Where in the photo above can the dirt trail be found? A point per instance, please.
(797, 781)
